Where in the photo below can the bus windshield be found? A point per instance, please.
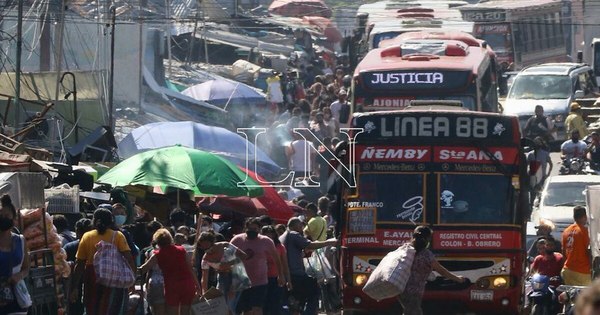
(399, 197)
(377, 38)
(475, 198)
(498, 42)
(539, 87)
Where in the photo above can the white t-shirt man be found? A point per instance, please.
(300, 155)
(573, 149)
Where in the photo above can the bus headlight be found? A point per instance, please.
(493, 282)
(360, 280)
(500, 283)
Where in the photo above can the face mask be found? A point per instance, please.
(5, 224)
(549, 252)
(252, 235)
(120, 219)
(204, 228)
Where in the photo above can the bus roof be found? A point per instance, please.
(403, 25)
(390, 58)
(508, 5)
(433, 34)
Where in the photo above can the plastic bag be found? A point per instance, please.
(239, 278)
(391, 274)
(30, 216)
(317, 266)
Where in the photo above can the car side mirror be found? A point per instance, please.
(536, 203)
(579, 94)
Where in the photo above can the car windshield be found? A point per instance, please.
(565, 194)
(540, 87)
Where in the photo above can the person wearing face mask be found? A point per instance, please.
(12, 251)
(575, 243)
(258, 248)
(214, 255)
(423, 264)
(573, 148)
(120, 215)
(97, 298)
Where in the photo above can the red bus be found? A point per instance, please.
(522, 33)
(449, 66)
(461, 173)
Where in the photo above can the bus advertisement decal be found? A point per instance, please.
(390, 102)
(474, 155)
(491, 29)
(393, 153)
(450, 240)
(477, 240)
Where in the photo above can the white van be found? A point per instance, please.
(552, 85)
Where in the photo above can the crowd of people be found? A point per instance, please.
(181, 259)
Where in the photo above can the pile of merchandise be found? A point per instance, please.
(39, 234)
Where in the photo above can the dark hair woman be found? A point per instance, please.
(423, 264)
(98, 299)
(218, 256)
(13, 266)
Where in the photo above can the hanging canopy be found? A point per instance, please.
(225, 92)
(225, 143)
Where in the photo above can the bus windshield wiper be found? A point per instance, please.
(493, 158)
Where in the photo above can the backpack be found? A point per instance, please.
(111, 268)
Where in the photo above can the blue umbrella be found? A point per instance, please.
(189, 134)
(225, 92)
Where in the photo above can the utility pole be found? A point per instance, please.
(111, 84)
(18, 65)
(141, 59)
(204, 33)
(59, 49)
(168, 33)
(189, 57)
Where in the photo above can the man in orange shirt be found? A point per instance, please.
(576, 242)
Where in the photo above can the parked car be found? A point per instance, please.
(552, 85)
(560, 194)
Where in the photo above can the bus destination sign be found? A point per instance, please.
(448, 125)
(484, 16)
(415, 80)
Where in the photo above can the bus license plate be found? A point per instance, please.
(482, 295)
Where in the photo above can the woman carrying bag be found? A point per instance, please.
(423, 264)
(99, 298)
(14, 263)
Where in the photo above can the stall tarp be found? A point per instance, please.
(299, 8)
